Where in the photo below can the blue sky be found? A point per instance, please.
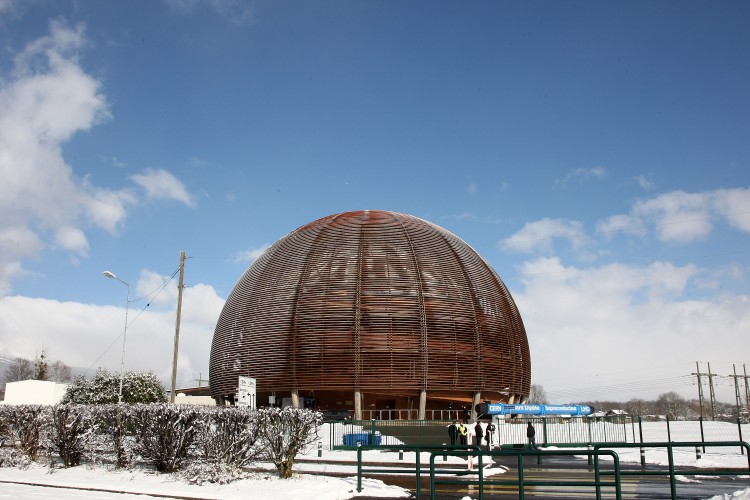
(596, 154)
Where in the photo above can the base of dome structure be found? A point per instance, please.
(381, 405)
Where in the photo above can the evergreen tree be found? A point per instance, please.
(40, 366)
(104, 388)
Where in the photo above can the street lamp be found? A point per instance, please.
(110, 274)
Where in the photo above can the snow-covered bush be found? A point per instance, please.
(13, 457)
(70, 432)
(165, 434)
(212, 472)
(25, 427)
(213, 443)
(229, 435)
(113, 424)
(284, 433)
(104, 388)
(4, 426)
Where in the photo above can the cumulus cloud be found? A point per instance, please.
(162, 185)
(618, 319)
(46, 100)
(540, 235)
(682, 217)
(90, 336)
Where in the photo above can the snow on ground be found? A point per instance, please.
(261, 486)
(101, 483)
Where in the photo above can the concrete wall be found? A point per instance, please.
(39, 392)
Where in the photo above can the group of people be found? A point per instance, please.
(474, 434)
(471, 434)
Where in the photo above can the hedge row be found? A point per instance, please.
(169, 437)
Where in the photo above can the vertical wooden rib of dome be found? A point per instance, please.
(423, 352)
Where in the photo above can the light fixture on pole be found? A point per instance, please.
(110, 274)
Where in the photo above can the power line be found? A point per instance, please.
(153, 296)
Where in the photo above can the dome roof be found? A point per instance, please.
(373, 301)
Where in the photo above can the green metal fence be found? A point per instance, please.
(550, 431)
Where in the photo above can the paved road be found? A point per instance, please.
(571, 471)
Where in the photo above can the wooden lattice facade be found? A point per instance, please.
(376, 303)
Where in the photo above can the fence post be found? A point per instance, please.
(669, 431)
(739, 428)
(544, 430)
(640, 433)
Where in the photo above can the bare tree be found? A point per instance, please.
(537, 395)
(60, 372)
(20, 369)
(639, 407)
(671, 404)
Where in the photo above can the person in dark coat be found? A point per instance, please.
(531, 434)
(490, 435)
(453, 432)
(478, 433)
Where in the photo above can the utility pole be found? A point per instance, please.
(711, 389)
(700, 385)
(177, 327)
(737, 397)
(747, 388)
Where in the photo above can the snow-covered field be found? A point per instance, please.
(101, 483)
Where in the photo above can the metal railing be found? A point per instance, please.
(416, 470)
(521, 482)
(551, 431)
(672, 471)
(595, 451)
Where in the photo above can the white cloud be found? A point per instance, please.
(237, 11)
(162, 185)
(47, 99)
(472, 188)
(682, 217)
(583, 174)
(645, 182)
(625, 319)
(539, 235)
(85, 335)
(252, 254)
(734, 205)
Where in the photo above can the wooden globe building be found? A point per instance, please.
(371, 310)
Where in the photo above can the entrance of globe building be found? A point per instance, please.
(384, 407)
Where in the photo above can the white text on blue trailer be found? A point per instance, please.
(531, 409)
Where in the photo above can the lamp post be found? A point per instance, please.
(110, 274)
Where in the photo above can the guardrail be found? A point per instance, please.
(521, 482)
(416, 470)
(595, 451)
(672, 470)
